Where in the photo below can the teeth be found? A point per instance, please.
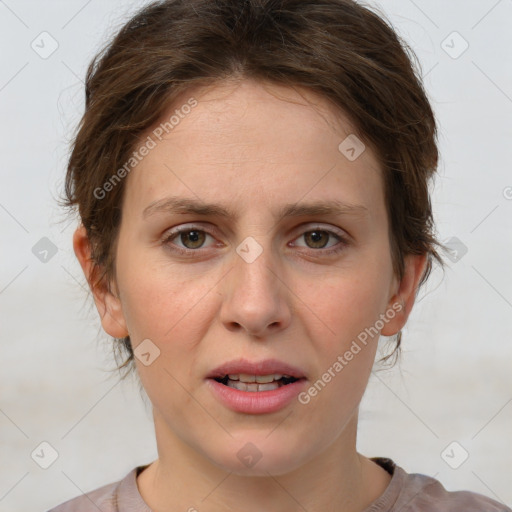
(247, 378)
(270, 386)
(261, 379)
(265, 379)
(253, 387)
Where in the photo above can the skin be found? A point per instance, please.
(253, 147)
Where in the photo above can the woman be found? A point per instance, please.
(252, 182)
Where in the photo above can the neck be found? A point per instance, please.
(338, 479)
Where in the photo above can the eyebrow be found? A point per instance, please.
(183, 205)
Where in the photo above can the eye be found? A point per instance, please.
(191, 237)
(318, 238)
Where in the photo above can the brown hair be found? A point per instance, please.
(337, 48)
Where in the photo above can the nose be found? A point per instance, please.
(255, 297)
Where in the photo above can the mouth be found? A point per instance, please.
(256, 387)
(256, 383)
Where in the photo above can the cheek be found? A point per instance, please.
(344, 352)
(347, 303)
(160, 307)
(164, 304)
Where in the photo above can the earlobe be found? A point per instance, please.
(403, 300)
(108, 305)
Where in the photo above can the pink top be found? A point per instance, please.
(404, 493)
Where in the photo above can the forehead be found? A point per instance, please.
(243, 93)
(239, 107)
(250, 139)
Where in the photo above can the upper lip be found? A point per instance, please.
(265, 367)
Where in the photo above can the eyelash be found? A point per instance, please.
(343, 242)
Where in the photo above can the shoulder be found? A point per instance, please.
(422, 493)
(104, 498)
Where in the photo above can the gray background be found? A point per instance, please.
(454, 382)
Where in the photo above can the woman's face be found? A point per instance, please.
(247, 283)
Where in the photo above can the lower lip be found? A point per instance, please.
(256, 402)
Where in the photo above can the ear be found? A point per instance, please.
(403, 299)
(107, 304)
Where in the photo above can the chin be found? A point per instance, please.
(253, 455)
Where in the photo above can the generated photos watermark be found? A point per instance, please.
(343, 360)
